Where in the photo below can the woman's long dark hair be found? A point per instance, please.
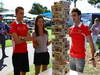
(36, 26)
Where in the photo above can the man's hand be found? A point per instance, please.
(16, 38)
(22, 38)
(94, 63)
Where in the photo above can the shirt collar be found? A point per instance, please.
(18, 23)
(78, 25)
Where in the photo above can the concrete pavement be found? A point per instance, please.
(8, 61)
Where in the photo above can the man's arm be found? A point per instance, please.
(26, 38)
(17, 40)
(89, 37)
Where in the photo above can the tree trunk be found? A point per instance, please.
(75, 3)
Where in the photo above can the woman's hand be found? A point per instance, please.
(49, 42)
(35, 43)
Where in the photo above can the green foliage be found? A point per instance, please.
(3, 9)
(38, 9)
(93, 2)
(74, 2)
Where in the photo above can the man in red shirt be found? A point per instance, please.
(20, 35)
(78, 32)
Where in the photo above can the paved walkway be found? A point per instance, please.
(49, 72)
(8, 61)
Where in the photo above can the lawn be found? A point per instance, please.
(89, 69)
(8, 43)
(50, 34)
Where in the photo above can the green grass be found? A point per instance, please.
(8, 43)
(50, 34)
(89, 69)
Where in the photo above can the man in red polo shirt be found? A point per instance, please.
(78, 32)
(20, 35)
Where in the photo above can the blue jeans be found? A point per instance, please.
(77, 64)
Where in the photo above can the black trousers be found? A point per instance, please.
(20, 63)
(2, 42)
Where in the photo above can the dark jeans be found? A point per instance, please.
(2, 42)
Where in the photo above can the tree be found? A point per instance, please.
(1, 4)
(46, 9)
(93, 2)
(74, 2)
(1, 7)
(38, 9)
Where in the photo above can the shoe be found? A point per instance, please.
(4, 65)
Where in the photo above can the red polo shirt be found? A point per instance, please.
(78, 35)
(20, 30)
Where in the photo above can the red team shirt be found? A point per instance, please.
(20, 30)
(78, 35)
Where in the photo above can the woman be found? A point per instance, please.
(41, 55)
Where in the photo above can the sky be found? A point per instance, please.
(27, 4)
